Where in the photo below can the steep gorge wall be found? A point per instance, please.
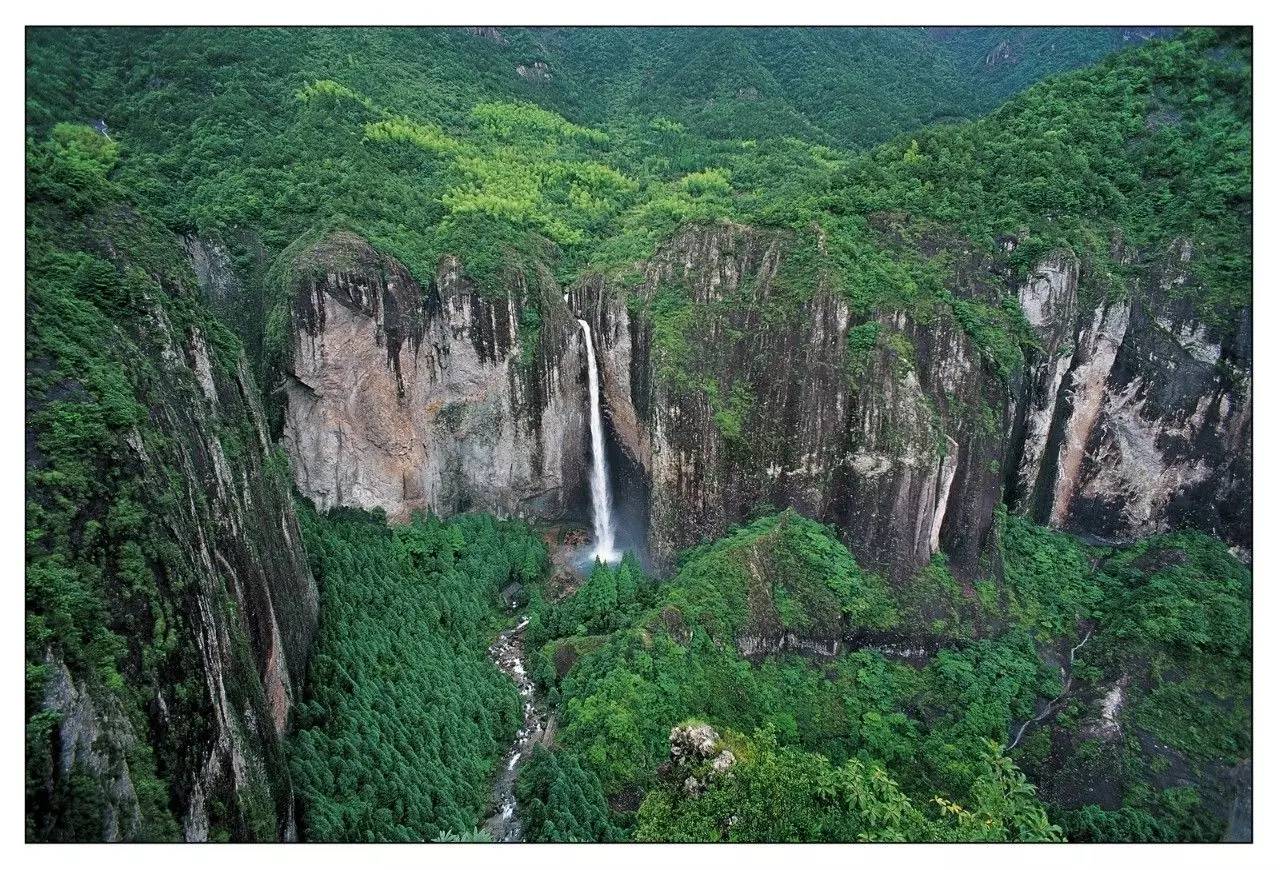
(729, 392)
(893, 447)
(1136, 416)
(1132, 417)
(437, 398)
(191, 532)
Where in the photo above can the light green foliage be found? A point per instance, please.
(783, 795)
(730, 409)
(426, 143)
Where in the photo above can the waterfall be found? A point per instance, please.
(600, 509)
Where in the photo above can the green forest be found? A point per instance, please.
(924, 733)
(1076, 691)
(295, 132)
(900, 737)
(405, 714)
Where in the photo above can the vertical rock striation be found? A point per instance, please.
(1136, 415)
(1130, 417)
(438, 398)
(189, 531)
(731, 388)
(888, 447)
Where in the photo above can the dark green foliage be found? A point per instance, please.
(1183, 592)
(1049, 583)
(1186, 599)
(405, 717)
(783, 574)
(782, 571)
(115, 502)
(560, 802)
(609, 599)
(836, 85)
(1153, 143)
(929, 724)
(1169, 629)
(426, 142)
(1174, 815)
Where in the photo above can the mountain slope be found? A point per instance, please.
(169, 604)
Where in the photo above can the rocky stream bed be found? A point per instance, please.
(537, 727)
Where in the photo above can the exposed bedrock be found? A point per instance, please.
(194, 727)
(898, 448)
(1137, 416)
(730, 389)
(440, 398)
(1133, 417)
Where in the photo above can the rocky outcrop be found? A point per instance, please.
(1136, 415)
(537, 72)
(173, 729)
(222, 278)
(438, 398)
(95, 739)
(493, 34)
(732, 388)
(697, 756)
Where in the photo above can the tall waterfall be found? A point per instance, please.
(600, 509)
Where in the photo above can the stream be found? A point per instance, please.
(507, 652)
(1044, 709)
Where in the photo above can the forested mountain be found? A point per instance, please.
(925, 369)
(892, 698)
(220, 139)
(841, 86)
(169, 605)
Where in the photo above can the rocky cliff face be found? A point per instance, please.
(205, 601)
(897, 443)
(728, 392)
(440, 398)
(1136, 416)
(1131, 418)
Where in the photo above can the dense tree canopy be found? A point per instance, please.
(405, 717)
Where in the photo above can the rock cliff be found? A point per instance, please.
(440, 398)
(159, 712)
(730, 391)
(1135, 415)
(1131, 415)
(896, 443)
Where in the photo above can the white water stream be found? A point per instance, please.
(536, 727)
(601, 510)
